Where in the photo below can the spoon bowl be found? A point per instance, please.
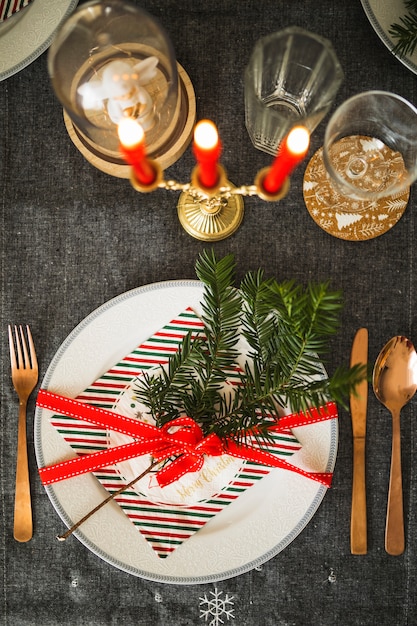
(395, 383)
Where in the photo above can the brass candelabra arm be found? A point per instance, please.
(173, 185)
(225, 191)
(243, 190)
(211, 214)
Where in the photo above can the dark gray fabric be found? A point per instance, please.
(73, 237)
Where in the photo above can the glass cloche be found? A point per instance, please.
(111, 60)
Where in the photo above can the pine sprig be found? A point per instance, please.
(259, 331)
(297, 324)
(221, 309)
(196, 374)
(287, 329)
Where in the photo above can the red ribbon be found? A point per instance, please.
(182, 438)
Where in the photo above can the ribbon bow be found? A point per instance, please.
(185, 440)
(181, 438)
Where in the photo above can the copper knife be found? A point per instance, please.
(358, 406)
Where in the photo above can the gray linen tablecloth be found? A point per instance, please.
(72, 238)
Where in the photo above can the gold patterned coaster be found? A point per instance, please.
(353, 220)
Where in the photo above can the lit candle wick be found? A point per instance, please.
(290, 153)
(207, 149)
(132, 146)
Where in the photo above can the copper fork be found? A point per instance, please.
(24, 376)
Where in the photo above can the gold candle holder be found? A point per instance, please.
(211, 214)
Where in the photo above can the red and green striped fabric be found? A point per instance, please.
(9, 7)
(165, 527)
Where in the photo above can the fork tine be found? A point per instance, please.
(26, 362)
(19, 349)
(33, 356)
(20, 356)
(12, 350)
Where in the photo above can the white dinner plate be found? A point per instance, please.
(250, 531)
(23, 37)
(382, 14)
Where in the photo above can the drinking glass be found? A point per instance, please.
(292, 78)
(370, 145)
(367, 163)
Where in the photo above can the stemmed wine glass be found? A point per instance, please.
(357, 185)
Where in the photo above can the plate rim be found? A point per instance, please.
(19, 27)
(385, 37)
(112, 560)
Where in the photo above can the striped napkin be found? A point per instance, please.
(10, 7)
(165, 524)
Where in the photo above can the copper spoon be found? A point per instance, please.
(395, 383)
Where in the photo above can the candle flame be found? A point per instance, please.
(130, 132)
(298, 140)
(206, 135)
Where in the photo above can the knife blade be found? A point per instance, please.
(358, 407)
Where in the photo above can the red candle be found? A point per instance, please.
(290, 153)
(132, 146)
(207, 149)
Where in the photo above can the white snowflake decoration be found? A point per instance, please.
(216, 608)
